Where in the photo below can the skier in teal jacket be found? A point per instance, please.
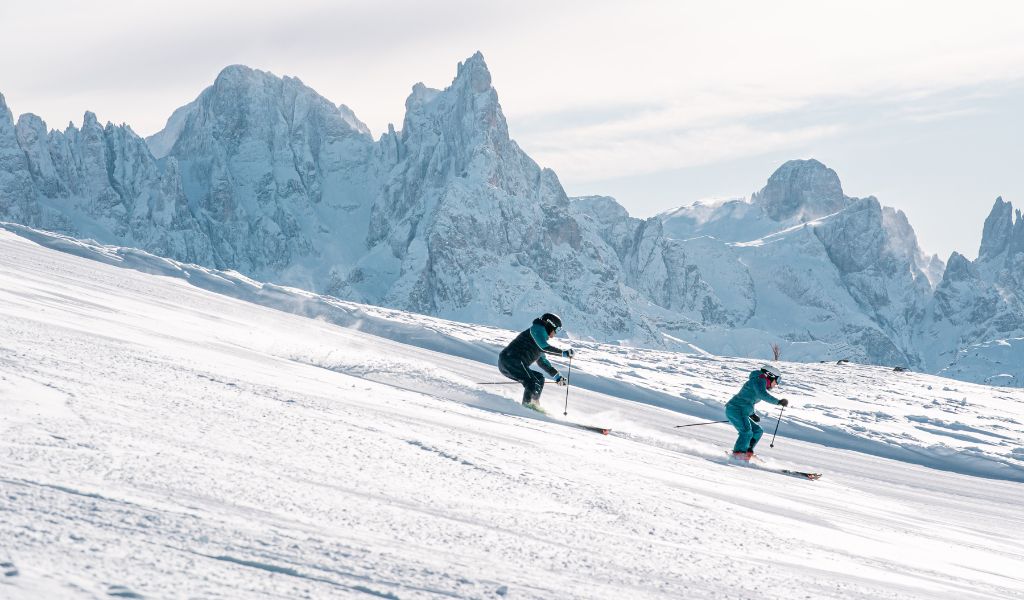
(740, 409)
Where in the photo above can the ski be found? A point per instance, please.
(536, 407)
(757, 463)
(601, 430)
(802, 474)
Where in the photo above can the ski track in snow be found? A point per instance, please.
(159, 440)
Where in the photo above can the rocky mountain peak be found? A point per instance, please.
(801, 188)
(995, 235)
(458, 125)
(5, 112)
(420, 96)
(470, 97)
(237, 84)
(250, 106)
(603, 209)
(959, 268)
(11, 155)
(233, 75)
(32, 121)
(349, 116)
(1016, 245)
(474, 73)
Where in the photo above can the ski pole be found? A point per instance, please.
(772, 444)
(567, 382)
(696, 424)
(498, 383)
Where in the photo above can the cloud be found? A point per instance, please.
(617, 156)
(602, 74)
(630, 140)
(138, 61)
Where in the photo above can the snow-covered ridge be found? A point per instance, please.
(906, 416)
(449, 217)
(854, 273)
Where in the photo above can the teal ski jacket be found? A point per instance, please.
(752, 392)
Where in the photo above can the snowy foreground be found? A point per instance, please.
(170, 431)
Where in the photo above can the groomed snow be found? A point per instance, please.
(158, 439)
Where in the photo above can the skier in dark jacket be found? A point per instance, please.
(740, 409)
(530, 347)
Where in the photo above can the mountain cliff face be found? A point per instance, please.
(278, 178)
(448, 216)
(801, 190)
(262, 175)
(801, 264)
(975, 322)
(467, 226)
(99, 182)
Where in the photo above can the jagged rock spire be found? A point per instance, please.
(995, 235)
(801, 188)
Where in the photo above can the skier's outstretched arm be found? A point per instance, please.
(540, 336)
(548, 368)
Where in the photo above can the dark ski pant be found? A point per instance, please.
(533, 382)
(749, 431)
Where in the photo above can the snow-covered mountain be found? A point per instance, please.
(98, 182)
(280, 179)
(170, 430)
(827, 277)
(262, 175)
(467, 226)
(800, 264)
(449, 217)
(977, 312)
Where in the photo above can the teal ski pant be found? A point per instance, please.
(749, 431)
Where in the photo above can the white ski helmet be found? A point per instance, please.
(772, 371)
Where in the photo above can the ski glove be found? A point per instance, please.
(783, 402)
(568, 353)
(755, 418)
(561, 380)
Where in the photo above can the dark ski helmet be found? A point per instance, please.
(551, 321)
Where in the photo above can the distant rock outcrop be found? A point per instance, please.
(801, 189)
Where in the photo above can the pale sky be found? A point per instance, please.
(656, 103)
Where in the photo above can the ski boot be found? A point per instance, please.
(535, 406)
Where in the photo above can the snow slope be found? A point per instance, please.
(158, 439)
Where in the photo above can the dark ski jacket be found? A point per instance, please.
(530, 347)
(752, 392)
